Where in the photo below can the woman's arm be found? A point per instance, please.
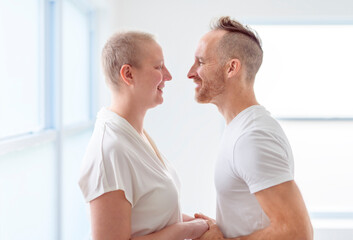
(111, 219)
(187, 218)
(179, 231)
(111, 216)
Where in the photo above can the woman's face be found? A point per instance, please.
(151, 75)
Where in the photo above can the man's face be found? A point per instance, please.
(207, 71)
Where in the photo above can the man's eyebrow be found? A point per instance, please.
(199, 58)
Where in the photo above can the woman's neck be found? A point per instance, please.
(130, 111)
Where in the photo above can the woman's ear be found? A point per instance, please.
(233, 67)
(126, 74)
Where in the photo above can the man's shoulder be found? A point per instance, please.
(256, 125)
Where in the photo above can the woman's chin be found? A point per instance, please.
(156, 103)
(160, 99)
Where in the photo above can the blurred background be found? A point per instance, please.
(51, 87)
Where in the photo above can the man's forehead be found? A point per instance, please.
(214, 34)
(209, 41)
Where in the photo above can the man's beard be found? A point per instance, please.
(211, 88)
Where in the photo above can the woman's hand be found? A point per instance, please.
(195, 228)
(214, 233)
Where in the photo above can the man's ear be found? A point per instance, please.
(126, 74)
(233, 67)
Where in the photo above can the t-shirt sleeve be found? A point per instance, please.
(260, 158)
(106, 169)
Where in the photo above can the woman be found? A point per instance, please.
(132, 190)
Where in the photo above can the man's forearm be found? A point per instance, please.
(279, 232)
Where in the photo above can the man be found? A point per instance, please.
(257, 197)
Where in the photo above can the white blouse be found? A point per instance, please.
(118, 158)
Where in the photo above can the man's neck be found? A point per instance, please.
(232, 104)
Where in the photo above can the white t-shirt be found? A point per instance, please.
(118, 158)
(255, 154)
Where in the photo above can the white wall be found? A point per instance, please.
(186, 132)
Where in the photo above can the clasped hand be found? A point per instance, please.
(213, 233)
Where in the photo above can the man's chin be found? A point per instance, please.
(200, 99)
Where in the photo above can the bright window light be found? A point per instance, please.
(75, 65)
(307, 70)
(306, 76)
(19, 67)
(27, 198)
(323, 163)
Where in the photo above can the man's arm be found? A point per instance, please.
(285, 207)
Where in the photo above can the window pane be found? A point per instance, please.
(75, 220)
(19, 67)
(323, 163)
(306, 70)
(28, 194)
(75, 64)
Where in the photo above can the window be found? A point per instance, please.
(306, 70)
(45, 105)
(28, 205)
(323, 163)
(74, 218)
(20, 67)
(306, 82)
(75, 63)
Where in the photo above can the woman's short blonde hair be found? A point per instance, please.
(122, 48)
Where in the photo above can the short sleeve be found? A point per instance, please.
(261, 159)
(106, 168)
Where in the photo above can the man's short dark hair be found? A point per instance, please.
(240, 42)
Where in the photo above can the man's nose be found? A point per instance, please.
(191, 73)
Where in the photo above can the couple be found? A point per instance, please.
(133, 191)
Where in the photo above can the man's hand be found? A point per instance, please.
(214, 233)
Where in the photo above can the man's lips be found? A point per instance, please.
(198, 83)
